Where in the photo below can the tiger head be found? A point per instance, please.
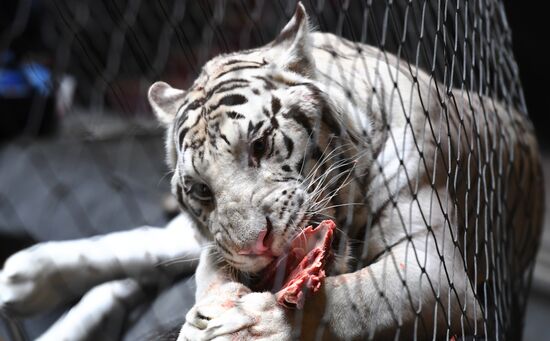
(258, 150)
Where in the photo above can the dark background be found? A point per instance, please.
(530, 40)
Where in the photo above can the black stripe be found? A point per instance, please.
(182, 136)
(223, 83)
(194, 105)
(300, 118)
(328, 118)
(197, 121)
(232, 87)
(235, 61)
(275, 105)
(182, 120)
(185, 102)
(289, 144)
(274, 123)
(224, 228)
(179, 196)
(237, 68)
(235, 115)
(300, 166)
(316, 153)
(250, 128)
(225, 139)
(269, 85)
(257, 127)
(230, 100)
(291, 84)
(272, 146)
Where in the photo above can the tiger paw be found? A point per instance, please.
(31, 281)
(254, 316)
(217, 302)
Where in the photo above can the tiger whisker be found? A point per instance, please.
(322, 187)
(321, 179)
(343, 205)
(329, 197)
(178, 260)
(324, 158)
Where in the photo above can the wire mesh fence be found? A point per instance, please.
(83, 155)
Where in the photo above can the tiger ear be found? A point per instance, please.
(165, 101)
(291, 49)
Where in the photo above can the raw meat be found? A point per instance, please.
(302, 268)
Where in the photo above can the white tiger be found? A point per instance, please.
(269, 140)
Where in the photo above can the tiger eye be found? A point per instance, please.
(259, 147)
(204, 190)
(201, 192)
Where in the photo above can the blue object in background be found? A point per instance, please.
(26, 98)
(21, 80)
(39, 78)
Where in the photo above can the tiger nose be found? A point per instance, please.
(262, 246)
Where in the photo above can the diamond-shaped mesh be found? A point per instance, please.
(104, 170)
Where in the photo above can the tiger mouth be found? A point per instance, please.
(270, 256)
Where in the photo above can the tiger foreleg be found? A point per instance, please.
(99, 315)
(406, 291)
(52, 273)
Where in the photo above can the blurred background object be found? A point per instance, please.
(26, 85)
(80, 151)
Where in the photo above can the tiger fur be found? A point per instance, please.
(310, 126)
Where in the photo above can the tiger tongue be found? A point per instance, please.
(303, 266)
